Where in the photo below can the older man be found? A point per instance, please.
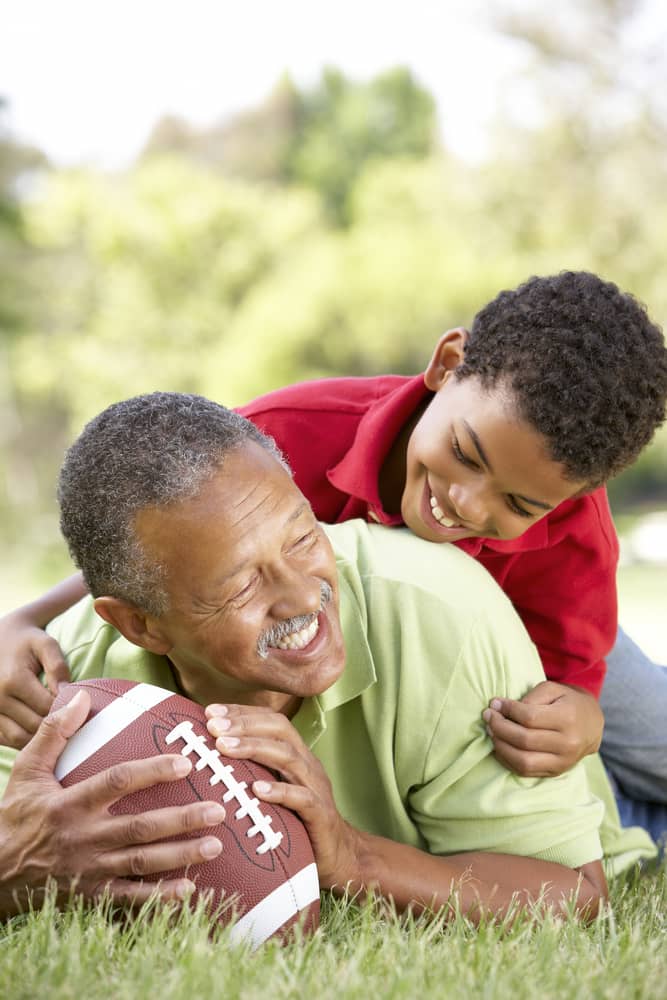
(356, 672)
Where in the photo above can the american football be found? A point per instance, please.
(266, 866)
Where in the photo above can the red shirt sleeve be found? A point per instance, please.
(565, 592)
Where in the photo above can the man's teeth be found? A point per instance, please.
(300, 639)
(439, 515)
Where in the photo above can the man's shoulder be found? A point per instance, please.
(80, 627)
(438, 604)
(399, 557)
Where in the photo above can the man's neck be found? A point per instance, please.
(205, 691)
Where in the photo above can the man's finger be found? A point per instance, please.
(299, 799)
(152, 859)
(107, 787)
(46, 746)
(134, 893)
(277, 755)
(171, 821)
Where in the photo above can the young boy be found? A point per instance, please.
(500, 448)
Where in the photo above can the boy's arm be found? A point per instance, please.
(27, 651)
(565, 594)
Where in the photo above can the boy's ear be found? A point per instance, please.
(137, 627)
(447, 356)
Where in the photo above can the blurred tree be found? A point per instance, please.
(343, 126)
(322, 233)
(143, 272)
(321, 138)
(585, 169)
(16, 160)
(253, 145)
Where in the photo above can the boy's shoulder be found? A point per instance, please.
(335, 395)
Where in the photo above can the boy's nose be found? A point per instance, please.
(469, 506)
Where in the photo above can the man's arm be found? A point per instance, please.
(68, 836)
(347, 858)
(26, 651)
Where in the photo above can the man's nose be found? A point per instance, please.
(469, 505)
(295, 593)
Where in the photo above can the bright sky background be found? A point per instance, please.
(86, 79)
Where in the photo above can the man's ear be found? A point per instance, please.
(137, 627)
(447, 356)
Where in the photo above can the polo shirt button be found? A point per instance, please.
(373, 516)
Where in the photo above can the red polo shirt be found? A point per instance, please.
(560, 574)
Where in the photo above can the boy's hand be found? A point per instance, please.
(547, 732)
(26, 651)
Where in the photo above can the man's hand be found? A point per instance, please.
(68, 834)
(547, 732)
(486, 883)
(270, 739)
(26, 651)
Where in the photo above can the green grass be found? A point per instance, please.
(359, 952)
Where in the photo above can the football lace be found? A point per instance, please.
(248, 806)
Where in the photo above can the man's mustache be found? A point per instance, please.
(273, 635)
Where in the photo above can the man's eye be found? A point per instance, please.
(304, 540)
(244, 593)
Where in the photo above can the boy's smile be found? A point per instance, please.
(475, 469)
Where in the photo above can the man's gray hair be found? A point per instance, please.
(149, 451)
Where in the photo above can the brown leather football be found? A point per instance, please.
(266, 866)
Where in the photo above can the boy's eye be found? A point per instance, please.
(516, 509)
(460, 457)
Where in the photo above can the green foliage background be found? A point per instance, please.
(325, 232)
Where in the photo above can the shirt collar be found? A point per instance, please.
(536, 537)
(358, 472)
(359, 673)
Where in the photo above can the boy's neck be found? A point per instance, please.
(391, 480)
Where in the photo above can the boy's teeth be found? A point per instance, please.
(300, 639)
(439, 515)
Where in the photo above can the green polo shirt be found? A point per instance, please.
(430, 639)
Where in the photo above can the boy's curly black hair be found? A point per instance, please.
(585, 365)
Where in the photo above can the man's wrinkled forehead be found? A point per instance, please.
(249, 483)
